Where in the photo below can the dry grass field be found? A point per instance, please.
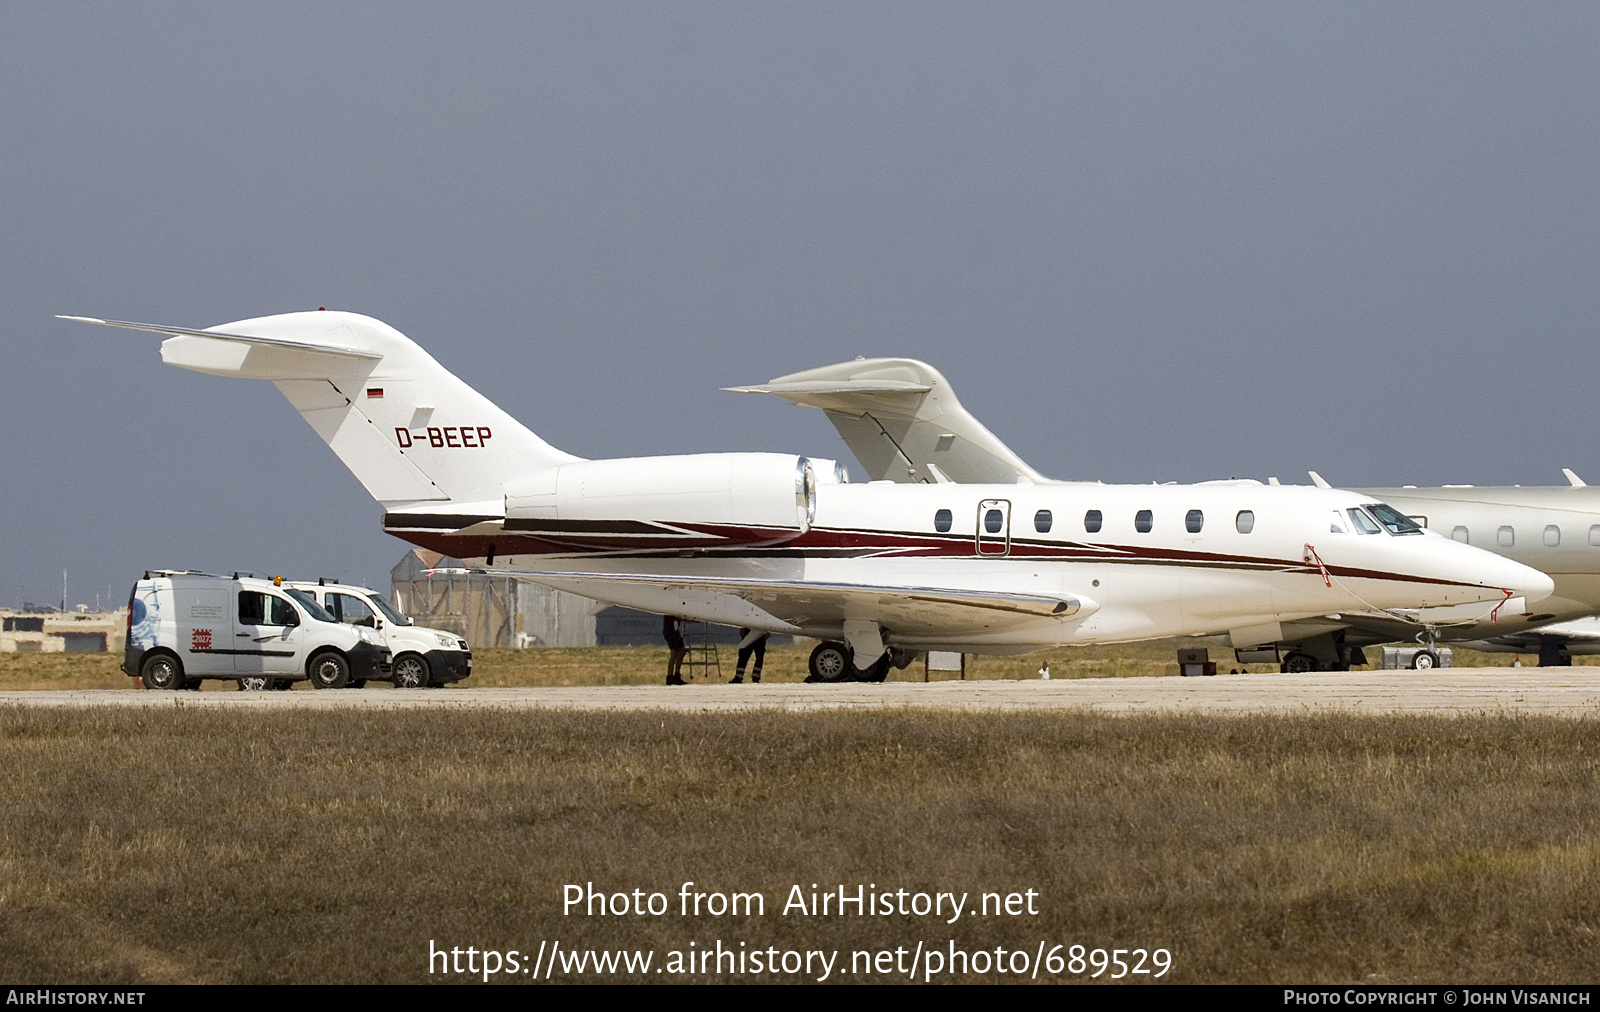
(647, 666)
(190, 845)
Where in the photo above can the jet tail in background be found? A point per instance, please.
(405, 426)
(903, 422)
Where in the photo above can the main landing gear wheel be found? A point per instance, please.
(1299, 664)
(876, 673)
(830, 662)
(1425, 660)
(161, 671)
(411, 672)
(329, 671)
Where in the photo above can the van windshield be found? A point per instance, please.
(311, 606)
(388, 610)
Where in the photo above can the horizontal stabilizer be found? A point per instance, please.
(269, 342)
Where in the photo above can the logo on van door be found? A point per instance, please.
(454, 437)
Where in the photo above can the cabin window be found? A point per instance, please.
(1594, 535)
(1336, 525)
(1245, 522)
(1142, 521)
(1193, 521)
(993, 520)
(1092, 521)
(942, 521)
(1041, 521)
(1552, 536)
(1507, 537)
(1460, 534)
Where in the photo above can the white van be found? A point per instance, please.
(184, 627)
(423, 657)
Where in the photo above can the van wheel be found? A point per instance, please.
(411, 672)
(329, 671)
(256, 683)
(161, 671)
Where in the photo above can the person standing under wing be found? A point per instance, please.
(751, 643)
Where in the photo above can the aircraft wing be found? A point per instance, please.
(799, 607)
(903, 422)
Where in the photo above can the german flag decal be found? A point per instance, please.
(374, 392)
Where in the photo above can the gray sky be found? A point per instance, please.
(1144, 242)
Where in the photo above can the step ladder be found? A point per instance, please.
(699, 639)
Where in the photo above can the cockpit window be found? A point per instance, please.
(1393, 520)
(1361, 522)
(1336, 525)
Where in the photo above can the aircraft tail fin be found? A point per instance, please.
(405, 426)
(903, 422)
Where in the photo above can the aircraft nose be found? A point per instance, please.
(1524, 581)
(1537, 585)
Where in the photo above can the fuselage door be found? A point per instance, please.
(994, 527)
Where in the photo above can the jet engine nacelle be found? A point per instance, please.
(687, 502)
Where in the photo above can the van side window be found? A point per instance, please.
(1041, 521)
(941, 521)
(1091, 521)
(1245, 522)
(1193, 521)
(1143, 521)
(256, 608)
(351, 610)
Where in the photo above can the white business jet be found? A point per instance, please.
(878, 571)
(903, 422)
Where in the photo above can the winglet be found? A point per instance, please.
(1318, 480)
(1576, 481)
